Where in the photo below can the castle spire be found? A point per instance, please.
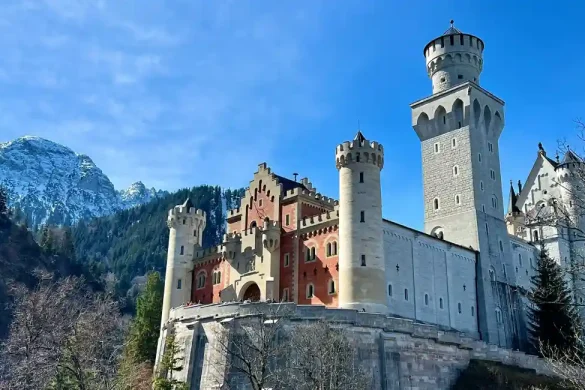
(513, 198)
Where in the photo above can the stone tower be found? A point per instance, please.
(361, 253)
(186, 232)
(459, 126)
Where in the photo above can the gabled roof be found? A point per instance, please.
(538, 163)
(288, 184)
(571, 157)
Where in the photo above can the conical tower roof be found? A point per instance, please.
(512, 208)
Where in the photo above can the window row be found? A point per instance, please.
(437, 202)
(311, 252)
(427, 300)
(310, 289)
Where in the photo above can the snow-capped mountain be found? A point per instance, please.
(138, 194)
(51, 184)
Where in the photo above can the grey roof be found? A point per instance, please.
(512, 207)
(452, 30)
(188, 204)
(359, 137)
(288, 184)
(570, 157)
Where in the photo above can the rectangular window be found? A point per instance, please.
(490, 147)
(492, 174)
(362, 216)
(361, 177)
(454, 142)
(182, 250)
(287, 219)
(179, 284)
(437, 147)
(286, 259)
(406, 294)
(363, 260)
(389, 290)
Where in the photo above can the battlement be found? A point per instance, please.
(234, 213)
(359, 151)
(183, 210)
(316, 220)
(231, 237)
(314, 195)
(208, 251)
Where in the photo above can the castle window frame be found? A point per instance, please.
(479, 157)
(481, 187)
(520, 259)
(287, 220)
(331, 288)
(494, 202)
(492, 274)
(390, 290)
(310, 254)
(455, 170)
(459, 309)
(362, 216)
(284, 295)
(179, 284)
(201, 279)
(441, 303)
(332, 248)
(458, 200)
(490, 147)
(426, 299)
(195, 233)
(436, 204)
(437, 147)
(498, 315)
(260, 202)
(310, 291)
(460, 77)
(406, 294)
(453, 143)
(472, 311)
(501, 246)
(182, 250)
(492, 174)
(286, 259)
(363, 260)
(361, 177)
(184, 221)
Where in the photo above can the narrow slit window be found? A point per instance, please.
(182, 250)
(179, 284)
(427, 299)
(361, 177)
(362, 216)
(406, 294)
(440, 303)
(363, 260)
(389, 290)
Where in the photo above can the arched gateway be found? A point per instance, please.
(252, 293)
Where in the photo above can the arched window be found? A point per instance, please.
(456, 170)
(313, 253)
(310, 290)
(252, 224)
(331, 286)
(310, 254)
(494, 202)
(492, 275)
(328, 249)
(440, 303)
(427, 299)
(334, 250)
(182, 250)
(535, 235)
(201, 278)
(389, 290)
(436, 204)
(406, 294)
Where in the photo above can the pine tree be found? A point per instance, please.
(169, 363)
(144, 331)
(47, 241)
(553, 322)
(3, 201)
(67, 246)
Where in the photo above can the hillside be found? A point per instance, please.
(48, 183)
(132, 242)
(21, 257)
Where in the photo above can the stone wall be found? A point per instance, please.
(400, 353)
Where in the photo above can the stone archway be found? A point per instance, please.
(252, 293)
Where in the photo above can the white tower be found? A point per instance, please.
(362, 284)
(186, 232)
(459, 126)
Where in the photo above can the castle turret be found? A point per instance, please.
(453, 58)
(361, 256)
(186, 232)
(514, 217)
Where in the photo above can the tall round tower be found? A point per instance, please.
(186, 232)
(453, 58)
(362, 283)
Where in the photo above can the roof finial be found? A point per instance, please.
(295, 175)
(452, 23)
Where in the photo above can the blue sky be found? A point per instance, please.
(186, 92)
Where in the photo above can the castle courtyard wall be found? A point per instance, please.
(399, 353)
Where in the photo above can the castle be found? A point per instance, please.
(469, 271)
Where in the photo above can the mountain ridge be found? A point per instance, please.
(48, 183)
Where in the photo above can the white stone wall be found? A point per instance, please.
(438, 276)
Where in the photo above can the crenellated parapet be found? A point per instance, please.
(359, 150)
(317, 220)
(312, 195)
(231, 245)
(186, 215)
